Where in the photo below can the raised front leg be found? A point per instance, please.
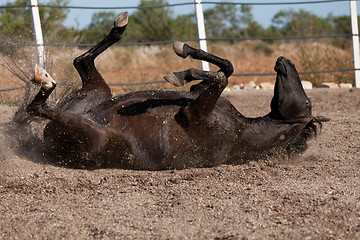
(84, 64)
(211, 87)
(72, 138)
(39, 107)
(48, 84)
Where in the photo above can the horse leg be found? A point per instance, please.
(39, 107)
(84, 64)
(78, 140)
(191, 74)
(209, 89)
(183, 50)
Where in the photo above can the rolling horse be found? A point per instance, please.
(168, 129)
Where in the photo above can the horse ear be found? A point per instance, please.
(37, 74)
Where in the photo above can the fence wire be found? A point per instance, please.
(179, 4)
(185, 40)
(163, 81)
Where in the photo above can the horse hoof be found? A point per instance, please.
(179, 49)
(48, 85)
(174, 80)
(43, 78)
(121, 20)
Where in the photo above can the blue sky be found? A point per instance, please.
(262, 14)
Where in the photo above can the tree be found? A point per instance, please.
(300, 23)
(16, 23)
(229, 21)
(246, 19)
(151, 24)
(101, 23)
(146, 24)
(341, 25)
(185, 27)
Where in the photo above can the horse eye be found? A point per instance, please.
(46, 75)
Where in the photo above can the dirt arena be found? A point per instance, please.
(315, 196)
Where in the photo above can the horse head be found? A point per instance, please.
(290, 100)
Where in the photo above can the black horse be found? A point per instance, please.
(166, 129)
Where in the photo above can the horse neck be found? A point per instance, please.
(265, 132)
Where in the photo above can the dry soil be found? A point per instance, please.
(315, 196)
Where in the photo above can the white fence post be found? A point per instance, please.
(37, 31)
(355, 38)
(201, 31)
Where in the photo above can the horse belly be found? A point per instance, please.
(149, 137)
(157, 141)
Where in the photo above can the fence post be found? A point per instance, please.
(37, 31)
(201, 31)
(355, 38)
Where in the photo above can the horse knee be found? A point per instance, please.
(77, 62)
(81, 61)
(221, 79)
(199, 87)
(228, 68)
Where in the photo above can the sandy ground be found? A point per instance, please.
(315, 196)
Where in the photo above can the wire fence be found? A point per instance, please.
(180, 4)
(163, 81)
(185, 40)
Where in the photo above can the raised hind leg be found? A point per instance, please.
(84, 64)
(183, 50)
(178, 78)
(211, 87)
